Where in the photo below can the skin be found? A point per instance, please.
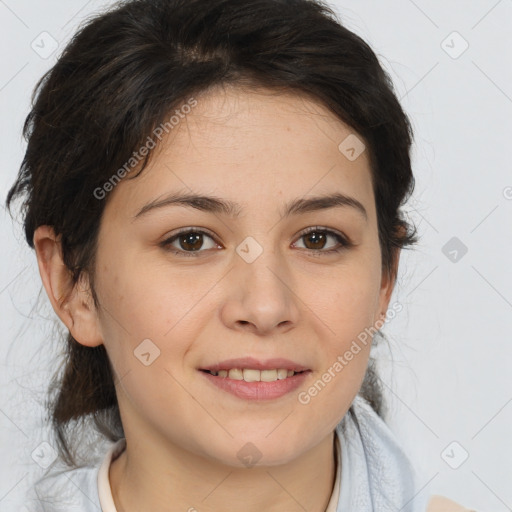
(183, 434)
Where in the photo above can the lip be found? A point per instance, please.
(257, 391)
(255, 364)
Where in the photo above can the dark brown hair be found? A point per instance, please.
(122, 74)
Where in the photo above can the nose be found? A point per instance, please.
(260, 295)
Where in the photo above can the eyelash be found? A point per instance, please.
(345, 243)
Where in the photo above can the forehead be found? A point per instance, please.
(252, 145)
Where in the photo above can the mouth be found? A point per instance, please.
(256, 385)
(254, 375)
(250, 369)
(251, 363)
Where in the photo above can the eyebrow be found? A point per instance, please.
(217, 205)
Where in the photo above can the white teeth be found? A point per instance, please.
(250, 375)
(236, 374)
(282, 373)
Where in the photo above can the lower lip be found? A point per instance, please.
(258, 390)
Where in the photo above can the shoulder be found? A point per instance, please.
(379, 463)
(442, 504)
(69, 490)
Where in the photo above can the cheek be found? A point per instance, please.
(142, 302)
(345, 308)
(329, 394)
(346, 302)
(149, 326)
(145, 327)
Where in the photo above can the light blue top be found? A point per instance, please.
(373, 474)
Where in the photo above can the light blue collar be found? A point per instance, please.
(376, 474)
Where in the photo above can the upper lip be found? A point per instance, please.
(252, 363)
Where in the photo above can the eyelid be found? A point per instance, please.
(195, 229)
(333, 231)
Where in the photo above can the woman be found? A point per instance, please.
(213, 192)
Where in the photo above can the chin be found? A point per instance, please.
(261, 451)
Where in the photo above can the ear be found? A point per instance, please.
(72, 303)
(387, 285)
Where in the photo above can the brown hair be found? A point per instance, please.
(118, 79)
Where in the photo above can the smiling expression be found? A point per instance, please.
(207, 256)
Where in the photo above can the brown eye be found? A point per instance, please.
(316, 239)
(188, 242)
(191, 241)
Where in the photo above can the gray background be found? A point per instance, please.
(447, 376)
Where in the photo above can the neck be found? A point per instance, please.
(147, 477)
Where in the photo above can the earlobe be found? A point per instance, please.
(72, 303)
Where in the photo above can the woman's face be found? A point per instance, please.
(256, 285)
